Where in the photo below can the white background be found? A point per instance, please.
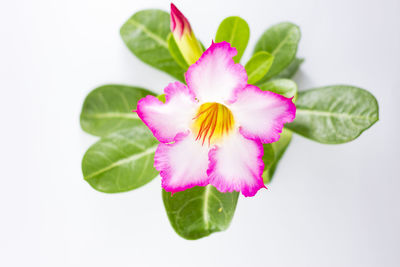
(328, 205)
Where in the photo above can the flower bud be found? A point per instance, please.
(184, 37)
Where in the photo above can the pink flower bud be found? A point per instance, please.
(184, 37)
(179, 23)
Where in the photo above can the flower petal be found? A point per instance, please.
(237, 165)
(262, 114)
(215, 76)
(182, 164)
(174, 116)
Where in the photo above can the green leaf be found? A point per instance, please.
(235, 31)
(273, 153)
(281, 40)
(285, 87)
(199, 211)
(258, 66)
(290, 70)
(145, 34)
(109, 108)
(269, 160)
(176, 53)
(121, 161)
(202, 46)
(162, 98)
(334, 114)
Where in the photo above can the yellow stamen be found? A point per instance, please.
(212, 122)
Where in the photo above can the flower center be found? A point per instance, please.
(212, 122)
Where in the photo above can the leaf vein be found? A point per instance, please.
(122, 161)
(147, 31)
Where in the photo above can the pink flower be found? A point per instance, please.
(212, 130)
(184, 36)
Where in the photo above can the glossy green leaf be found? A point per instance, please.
(258, 66)
(273, 153)
(199, 211)
(269, 160)
(176, 53)
(290, 70)
(334, 114)
(202, 46)
(162, 98)
(145, 34)
(235, 31)
(285, 87)
(109, 108)
(121, 161)
(281, 41)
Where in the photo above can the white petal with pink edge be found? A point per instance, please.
(182, 164)
(262, 114)
(174, 116)
(215, 76)
(237, 165)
